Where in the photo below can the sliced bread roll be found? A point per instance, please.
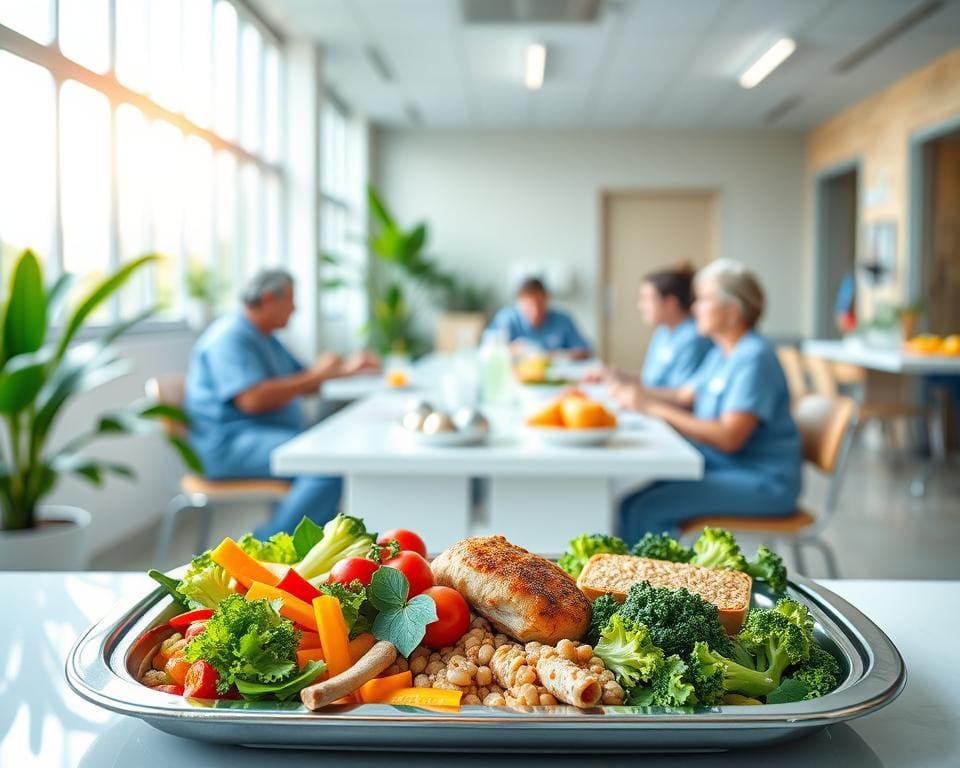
(615, 574)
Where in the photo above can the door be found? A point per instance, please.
(646, 231)
(941, 256)
(837, 244)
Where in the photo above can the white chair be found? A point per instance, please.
(197, 493)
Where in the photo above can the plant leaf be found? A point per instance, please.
(163, 411)
(22, 378)
(388, 589)
(100, 293)
(305, 535)
(187, 454)
(25, 319)
(57, 293)
(405, 626)
(379, 209)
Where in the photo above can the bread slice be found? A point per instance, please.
(615, 574)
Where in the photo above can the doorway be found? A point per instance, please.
(939, 260)
(644, 231)
(837, 205)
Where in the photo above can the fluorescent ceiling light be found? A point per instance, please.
(778, 53)
(536, 65)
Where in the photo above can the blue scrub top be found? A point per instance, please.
(230, 357)
(673, 355)
(557, 332)
(751, 380)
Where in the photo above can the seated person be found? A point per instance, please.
(243, 397)
(531, 319)
(676, 349)
(735, 410)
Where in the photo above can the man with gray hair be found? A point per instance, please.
(243, 397)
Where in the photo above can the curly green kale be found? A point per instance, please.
(603, 608)
(246, 640)
(768, 566)
(278, 548)
(662, 547)
(205, 584)
(585, 546)
(676, 619)
(628, 652)
(717, 548)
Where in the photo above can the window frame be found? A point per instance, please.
(61, 69)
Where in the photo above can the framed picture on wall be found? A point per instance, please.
(879, 257)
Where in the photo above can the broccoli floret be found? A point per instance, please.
(710, 667)
(277, 549)
(717, 548)
(670, 686)
(820, 673)
(777, 637)
(343, 537)
(628, 652)
(662, 547)
(676, 619)
(603, 608)
(587, 545)
(768, 566)
(205, 584)
(246, 640)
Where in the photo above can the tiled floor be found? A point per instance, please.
(879, 531)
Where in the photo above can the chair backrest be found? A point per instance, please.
(458, 329)
(168, 390)
(823, 423)
(822, 376)
(792, 363)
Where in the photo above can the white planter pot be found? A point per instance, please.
(59, 542)
(198, 314)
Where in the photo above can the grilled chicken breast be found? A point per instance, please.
(521, 594)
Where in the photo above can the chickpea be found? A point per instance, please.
(494, 700)
(403, 664)
(418, 664)
(529, 695)
(584, 653)
(547, 700)
(472, 642)
(596, 669)
(459, 676)
(393, 669)
(595, 661)
(457, 661)
(566, 650)
(471, 699)
(525, 676)
(484, 675)
(421, 681)
(434, 656)
(484, 654)
(156, 677)
(482, 692)
(433, 667)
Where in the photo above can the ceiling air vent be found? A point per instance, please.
(530, 11)
(887, 36)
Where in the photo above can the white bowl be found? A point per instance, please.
(565, 436)
(448, 439)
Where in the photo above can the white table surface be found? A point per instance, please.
(856, 352)
(43, 724)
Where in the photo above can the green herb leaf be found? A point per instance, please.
(358, 613)
(405, 626)
(286, 689)
(789, 690)
(388, 589)
(305, 535)
(170, 585)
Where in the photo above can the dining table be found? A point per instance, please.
(44, 724)
(536, 492)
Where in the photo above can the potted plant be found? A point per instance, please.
(40, 373)
(909, 315)
(200, 297)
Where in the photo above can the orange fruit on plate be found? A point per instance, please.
(583, 413)
(551, 416)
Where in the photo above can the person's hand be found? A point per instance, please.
(605, 375)
(629, 396)
(360, 362)
(327, 366)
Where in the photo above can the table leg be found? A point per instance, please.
(437, 507)
(936, 426)
(542, 514)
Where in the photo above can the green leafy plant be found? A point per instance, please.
(200, 284)
(39, 376)
(403, 622)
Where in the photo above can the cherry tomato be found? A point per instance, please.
(201, 681)
(453, 618)
(176, 690)
(358, 568)
(415, 568)
(408, 541)
(197, 628)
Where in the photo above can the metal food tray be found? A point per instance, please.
(102, 668)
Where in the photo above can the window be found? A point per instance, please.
(182, 159)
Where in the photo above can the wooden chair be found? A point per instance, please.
(197, 492)
(826, 427)
(792, 363)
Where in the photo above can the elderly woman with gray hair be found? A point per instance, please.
(244, 393)
(735, 410)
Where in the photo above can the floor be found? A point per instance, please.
(880, 531)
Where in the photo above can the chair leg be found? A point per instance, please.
(165, 538)
(796, 549)
(204, 528)
(833, 571)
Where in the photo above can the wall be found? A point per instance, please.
(495, 198)
(877, 131)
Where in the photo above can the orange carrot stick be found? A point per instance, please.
(378, 689)
(333, 634)
(292, 608)
(309, 641)
(360, 645)
(240, 565)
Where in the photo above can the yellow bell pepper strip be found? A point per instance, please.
(360, 645)
(376, 690)
(334, 638)
(424, 697)
(240, 565)
(292, 608)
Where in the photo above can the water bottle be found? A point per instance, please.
(495, 367)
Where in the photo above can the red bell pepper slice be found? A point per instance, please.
(184, 620)
(298, 586)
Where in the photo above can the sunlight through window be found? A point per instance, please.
(33, 19)
(85, 32)
(166, 63)
(225, 69)
(133, 42)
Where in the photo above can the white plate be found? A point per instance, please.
(572, 437)
(447, 439)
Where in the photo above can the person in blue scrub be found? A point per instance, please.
(676, 349)
(244, 395)
(735, 410)
(531, 319)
